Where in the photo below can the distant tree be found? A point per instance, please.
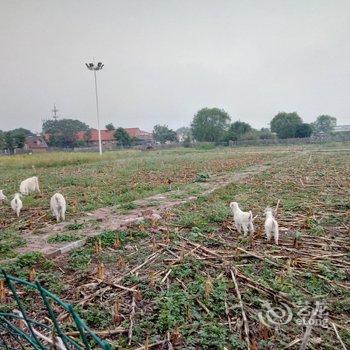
(136, 141)
(22, 131)
(185, 132)
(15, 138)
(10, 142)
(162, 133)
(187, 141)
(265, 134)
(110, 127)
(210, 124)
(250, 135)
(303, 130)
(2, 140)
(122, 137)
(325, 123)
(19, 137)
(237, 130)
(62, 132)
(285, 124)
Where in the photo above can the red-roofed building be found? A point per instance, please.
(139, 134)
(108, 139)
(35, 144)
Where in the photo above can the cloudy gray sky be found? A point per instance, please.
(166, 59)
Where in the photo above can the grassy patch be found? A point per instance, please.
(63, 237)
(9, 241)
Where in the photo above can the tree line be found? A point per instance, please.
(13, 139)
(214, 125)
(208, 125)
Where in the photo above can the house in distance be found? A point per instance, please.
(109, 141)
(35, 144)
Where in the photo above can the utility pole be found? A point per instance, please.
(54, 111)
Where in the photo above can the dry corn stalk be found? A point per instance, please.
(98, 246)
(101, 272)
(32, 274)
(167, 215)
(154, 245)
(138, 295)
(167, 237)
(176, 336)
(69, 319)
(146, 347)
(117, 318)
(182, 254)
(208, 287)
(152, 278)
(2, 290)
(120, 262)
(117, 243)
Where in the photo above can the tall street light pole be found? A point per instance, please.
(95, 68)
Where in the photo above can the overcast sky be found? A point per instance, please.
(164, 60)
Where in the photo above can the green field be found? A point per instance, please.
(182, 274)
(89, 182)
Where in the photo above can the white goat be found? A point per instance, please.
(58, 206)
(29, 185)
(242, 219)
(16, 203)
(271, 225)
(2, 196)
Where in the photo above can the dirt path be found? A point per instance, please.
(115, 218)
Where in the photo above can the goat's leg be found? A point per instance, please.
(268, 235)
(276, 236)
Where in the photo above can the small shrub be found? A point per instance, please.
(97, 317)
(205, 146)
(80, 259)
(29, 259)
(212, 336)
(202, 177)
(66, 237)
(74, 226)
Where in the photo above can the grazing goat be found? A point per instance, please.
(242, 219)
(58, 206)
(29, 185)
(16, 203)
(271, 225)
(2, 197)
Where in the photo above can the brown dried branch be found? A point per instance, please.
(131, 317)
(245, 320)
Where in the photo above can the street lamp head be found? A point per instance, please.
(99, 66)
(92, 66)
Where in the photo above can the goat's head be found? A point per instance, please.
(269, 211)
(234, 206)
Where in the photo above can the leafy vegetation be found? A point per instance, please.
(174, 279)
(162, 134)
(210, 124)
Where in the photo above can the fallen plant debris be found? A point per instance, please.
(190, 281)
